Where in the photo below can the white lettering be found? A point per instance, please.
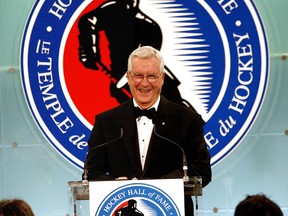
(210, 140)
(45, 80)
(228, 5)
(78, 140)
(59, 8)
(226, 126)
(245, 73)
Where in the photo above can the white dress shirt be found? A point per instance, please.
(144, 130)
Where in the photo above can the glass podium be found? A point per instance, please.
(78, 198)
(79, 195)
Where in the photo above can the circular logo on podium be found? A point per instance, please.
(74, 56)
(137, 199)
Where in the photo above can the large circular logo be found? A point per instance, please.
(74, 57)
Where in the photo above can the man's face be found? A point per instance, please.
(145, 92)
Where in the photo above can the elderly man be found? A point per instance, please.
(145, 132)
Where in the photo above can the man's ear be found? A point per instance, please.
(163, 77)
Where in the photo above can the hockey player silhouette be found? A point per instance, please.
(126, 27)
(130, 210)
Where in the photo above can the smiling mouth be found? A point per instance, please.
(144, 90)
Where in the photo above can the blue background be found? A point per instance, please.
(32, 170)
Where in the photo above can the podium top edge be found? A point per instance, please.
(75, 183)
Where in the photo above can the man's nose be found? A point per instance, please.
(145, 81)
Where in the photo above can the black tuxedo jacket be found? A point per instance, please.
(114, 148)
(120, 156)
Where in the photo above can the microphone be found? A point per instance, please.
(185, 167)
(85, 173)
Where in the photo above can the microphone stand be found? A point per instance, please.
(85, 174)
(196, 180)
(185, 167)
(85, 170)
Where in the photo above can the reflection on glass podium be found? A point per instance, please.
(78, 198)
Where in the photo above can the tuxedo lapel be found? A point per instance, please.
(153, 151)
(156, 143)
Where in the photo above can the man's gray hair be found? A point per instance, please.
(146, 52)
